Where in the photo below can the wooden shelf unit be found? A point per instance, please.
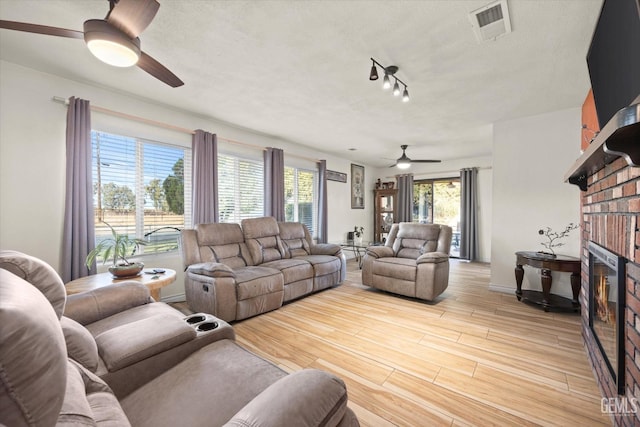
(385, 213)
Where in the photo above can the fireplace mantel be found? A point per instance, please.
(619, 138)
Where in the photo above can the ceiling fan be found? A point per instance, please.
(114, 40)
(404, 162)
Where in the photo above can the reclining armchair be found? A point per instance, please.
(414, 261)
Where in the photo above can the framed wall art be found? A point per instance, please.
(357, 186)
(336, 176)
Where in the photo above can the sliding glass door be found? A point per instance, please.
(437, 201)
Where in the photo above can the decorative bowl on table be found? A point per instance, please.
(124, 271)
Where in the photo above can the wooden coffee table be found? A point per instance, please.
(154, 282)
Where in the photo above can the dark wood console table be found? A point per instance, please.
(547, 264)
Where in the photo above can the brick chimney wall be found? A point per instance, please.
(610, 218)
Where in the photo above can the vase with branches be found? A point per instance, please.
(553, 236)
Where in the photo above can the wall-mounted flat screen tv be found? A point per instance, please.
(614, 58)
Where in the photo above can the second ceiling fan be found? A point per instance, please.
(404, 162)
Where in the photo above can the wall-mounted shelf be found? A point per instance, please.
(619, 138)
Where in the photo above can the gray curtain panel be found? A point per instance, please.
(204, 178)
(405, 198)
(323, 222)
(469, 214)
(79, 232)
(274, 183)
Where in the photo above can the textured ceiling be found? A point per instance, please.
(299, 70)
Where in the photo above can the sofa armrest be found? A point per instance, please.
(325, 249)
(432, 258)
(212, 269)
(305, 398)
(379, 251)
(91, 306)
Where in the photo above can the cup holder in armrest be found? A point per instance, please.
(195, 318)
(206, 326)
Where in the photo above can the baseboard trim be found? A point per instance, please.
(174, 298)
(502, 289)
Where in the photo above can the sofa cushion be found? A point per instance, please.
(81, 346)
(398, 268)
(293, 270)
(322, 395)
(294, 239)
(212, 269)
(127, 344)
(92, 306)
(414, 240)
(323, 264)
(131, 315)
(33, 357)
(223, 243)
(258, 280)
(39, 274)
(209, 387)
(262, 237)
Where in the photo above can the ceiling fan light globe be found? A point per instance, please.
(403, 165)
(111, 45)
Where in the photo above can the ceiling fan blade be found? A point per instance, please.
(426, 161)
(133, 16)
(41, 29)
(158, 70)
(393, 166)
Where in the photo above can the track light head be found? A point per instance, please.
(396, 88)
(374, 72)
(405, 95)
(386, 82)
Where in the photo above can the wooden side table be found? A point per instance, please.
(548, 264)
(154, 282)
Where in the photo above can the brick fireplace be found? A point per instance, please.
(611, 218)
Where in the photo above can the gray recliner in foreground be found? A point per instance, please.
(414, 261)
(220, 384)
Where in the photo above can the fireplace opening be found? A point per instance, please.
(606, 308)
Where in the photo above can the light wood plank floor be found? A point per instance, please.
(474, 357)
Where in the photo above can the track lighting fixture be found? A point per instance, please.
(389, 72)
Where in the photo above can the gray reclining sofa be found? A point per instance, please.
(238, 271)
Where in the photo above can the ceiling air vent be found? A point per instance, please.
(491, 21)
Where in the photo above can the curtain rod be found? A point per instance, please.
(441, 172)
(98, 109)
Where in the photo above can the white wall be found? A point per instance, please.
(530, 158)
(32, 159)
(451, 169)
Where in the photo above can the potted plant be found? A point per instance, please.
(117, 248)
(357, 235)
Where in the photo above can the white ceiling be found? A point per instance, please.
(299, 70)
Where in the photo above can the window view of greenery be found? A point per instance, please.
(438, 202)
(138, 189)
(240, 188)
(299, 196)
